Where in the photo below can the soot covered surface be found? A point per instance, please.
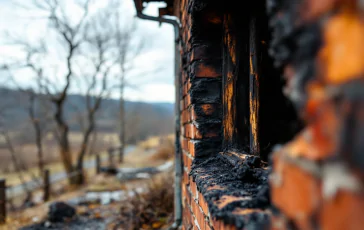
(236, 194)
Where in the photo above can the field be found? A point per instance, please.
(27, 155)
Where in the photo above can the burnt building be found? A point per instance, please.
(270, 113)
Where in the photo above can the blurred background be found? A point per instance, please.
(86, 89)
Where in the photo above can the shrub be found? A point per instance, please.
(151, 209)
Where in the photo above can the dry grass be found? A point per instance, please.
(154, 142)
(28, 156)
(152, 209)
(95, 183)
(164, 151)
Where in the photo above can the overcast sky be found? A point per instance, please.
(156, 86)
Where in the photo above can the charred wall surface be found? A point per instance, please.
(317, 178)
(280, 147)
(218, 192)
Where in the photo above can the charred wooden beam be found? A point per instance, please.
(254, 87)
(229, 92)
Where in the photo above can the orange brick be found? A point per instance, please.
(200, 217)
(319, 139)
(184, 77)
(186, 178)
(344, 211)
(187, 218)
(191, 131)
(203, 69)
(295, 191)
(184, 143)
(203, 205)
(187, 101)
(217, 224)
(227, 227)
(207, 226)
(182, 104)
(188, 194)
(204, 110)
(194, 190)
(187, 161)
(205, 52)
(185, 116)
(191, 148)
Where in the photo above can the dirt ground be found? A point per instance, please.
(142, 156)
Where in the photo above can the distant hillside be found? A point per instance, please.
(144, 119)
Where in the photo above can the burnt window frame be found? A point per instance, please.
(253, 121)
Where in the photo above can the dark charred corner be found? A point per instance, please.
(257, 115)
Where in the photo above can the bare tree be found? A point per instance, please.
(99, 41)
(37, 110)
(128, 48)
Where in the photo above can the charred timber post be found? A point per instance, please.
(46, 185)
(2, 201)
(254, 87)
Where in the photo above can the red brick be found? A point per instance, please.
(194, 207)
(187, 217)
(191, 148)
(187, 101)
(184, 89)
(203, 111)
(199, 217)
(184, 143)
(185, 116)
(192, 132)
(188, 195)
(207, 226)
(182, 104)
(203, 205)
(202, 148)
(194, 190)
(295, 191)
(204, 69)
(187, 161)
(184, 77)
(186, 178)
(205, 52)
(318, 140)
(343, 211)
(217, 224)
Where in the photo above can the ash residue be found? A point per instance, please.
(294, 42)
(246, 179)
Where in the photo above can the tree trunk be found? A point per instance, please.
(81, 155)
(122, 117)
(64, 146)
(15, 161)
(38, 133)
(38, 141)
(122, 131)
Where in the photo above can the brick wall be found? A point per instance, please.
(209, 188)
(200, 105)
(317, 178)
